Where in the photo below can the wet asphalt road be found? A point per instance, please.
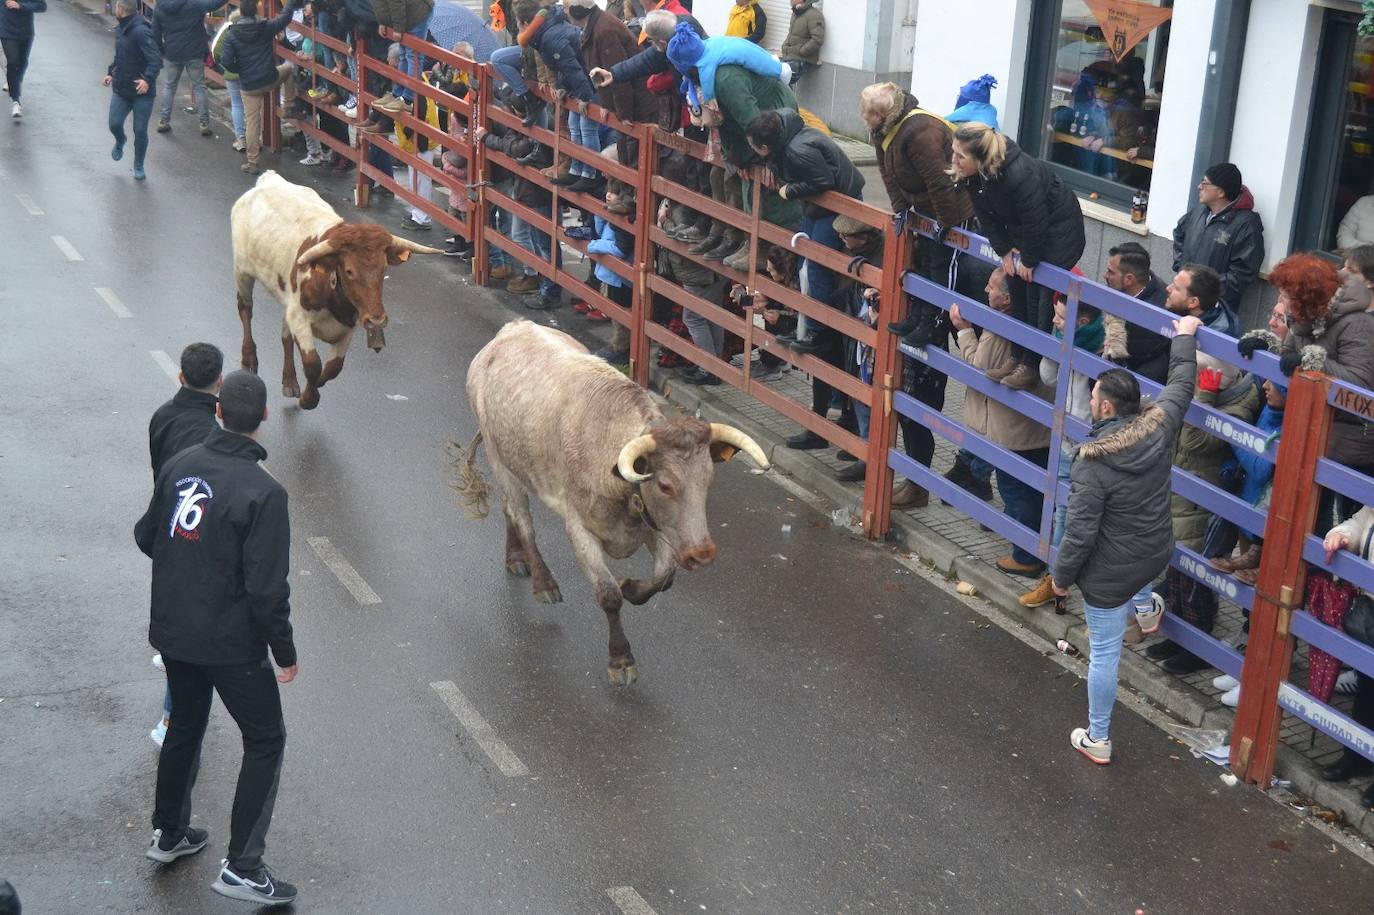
(816, 728)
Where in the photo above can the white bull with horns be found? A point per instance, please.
(562, 424)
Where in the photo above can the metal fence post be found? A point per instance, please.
(887, 377)
(1307, 425)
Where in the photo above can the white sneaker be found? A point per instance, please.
(312, 159)
(1099, 751)
(1345, 683)
(1231, 698)
(157, 662)
(238, 145)
(159, 733)
(1149, 618)
(350, 110)
(1225, 683)
(17, 111)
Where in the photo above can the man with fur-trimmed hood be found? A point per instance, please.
(1118, 533)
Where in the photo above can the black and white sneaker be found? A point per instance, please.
(166, 847)
(259, 886)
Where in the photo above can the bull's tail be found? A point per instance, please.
(470, 486)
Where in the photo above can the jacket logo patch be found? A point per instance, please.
(1223, 237)
(190, 510)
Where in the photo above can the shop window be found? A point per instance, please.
(1096, 90)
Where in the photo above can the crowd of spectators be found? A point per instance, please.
(653, 62)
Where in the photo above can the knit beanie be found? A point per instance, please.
(1226, 177)
(977, 90)
(685, 48)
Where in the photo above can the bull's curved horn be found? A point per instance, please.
(729, 435)
(635, 449)
(315, 252)
(409, 245)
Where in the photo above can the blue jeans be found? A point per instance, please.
(195, 69)
(587, 133)
(507, 64)
(235, 106)
(531, 239)
(980, 468)
(1106, 627)
(500, 220)
(412, 61)
(861, 417)
(821, 281)
(1061, 510)
(141, 106)
(1023, 502)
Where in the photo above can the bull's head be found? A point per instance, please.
(672, 467)
(355, 258)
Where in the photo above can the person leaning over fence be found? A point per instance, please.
(804, 163)
(914, 148)
(1006, 427)
(1145, 352)
(1223, 232)
(606, 42)
(558, 43)
(1118, 534)
(1356, 535)
(179, 32)
(1030, 216)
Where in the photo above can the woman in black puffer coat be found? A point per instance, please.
(1024, 208)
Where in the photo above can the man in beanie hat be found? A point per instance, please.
(975, 102)
(1223, 232)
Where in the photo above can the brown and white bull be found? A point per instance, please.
(326, 273)
(563, 425)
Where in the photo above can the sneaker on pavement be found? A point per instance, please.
(159, 732)
(312, 159)
(806, 441)
(250, 169)
(205, 130)
(166, 847)
(238, 145)
(457, 248)
(409, 222)
(164, 126)
(139, 173)
(1099, 751)
(1345, 683)
(258, 886)
(1149, 617)
(157, 662)
(544, 302)
(1225, 683)
(1040, 595)
(118, 152)
(1231, 698)
(17, 111)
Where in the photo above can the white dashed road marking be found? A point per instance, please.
(112, 300)
(66, 248)
(27, 203)
(476, 726)
(343, 571)
(628, 901)
(165, 363)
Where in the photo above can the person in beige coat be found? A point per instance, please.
(1005, 426)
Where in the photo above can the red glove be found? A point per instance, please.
(1209, 379)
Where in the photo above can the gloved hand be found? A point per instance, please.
(1248, 346)
(1289, 362)
(1209, 379)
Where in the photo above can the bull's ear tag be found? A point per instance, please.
(722, 452)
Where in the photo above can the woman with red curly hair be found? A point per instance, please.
(1331, 332)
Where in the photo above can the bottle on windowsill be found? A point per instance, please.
(1140, 203)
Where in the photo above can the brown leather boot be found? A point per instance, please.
(1040, 595)
(1250, 559)
(908, 495)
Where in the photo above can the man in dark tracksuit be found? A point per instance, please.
(189, 416)
(219, 535)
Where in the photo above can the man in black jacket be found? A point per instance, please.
(1128, 270)
(1118, 531)
(1223, 232)
(219, 535)
(179, 31)
(189, 416)
(248, 51)
(132, 79)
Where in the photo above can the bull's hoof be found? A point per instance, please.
(290, 390)
(636, 591)
(250, 365)
(310, 399)
(550, 595)
(622, 676)
(518, 567)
